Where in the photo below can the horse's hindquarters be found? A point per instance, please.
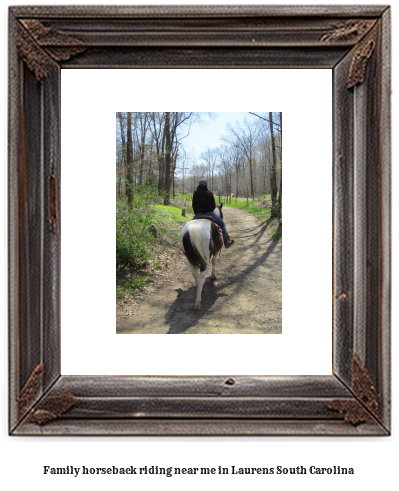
(196, 241)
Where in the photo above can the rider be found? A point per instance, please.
(204, 204)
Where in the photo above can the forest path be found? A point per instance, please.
(246, 298)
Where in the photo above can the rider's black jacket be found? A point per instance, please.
(203, 200)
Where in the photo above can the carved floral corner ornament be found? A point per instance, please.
(47, 409)
(39, 46)
(351, 31)
(359, 61)
(364, 33)
(367, 406)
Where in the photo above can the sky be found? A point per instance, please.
(209, 133)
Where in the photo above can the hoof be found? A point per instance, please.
(213, 278)
(197, 306)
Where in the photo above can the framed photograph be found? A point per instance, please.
(353, 44)
(174, 226)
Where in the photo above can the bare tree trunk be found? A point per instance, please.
(150, 166)
(161, 161)
(123, 163)
(143, 127)
(281, 171)
(168, 150)
(129, 162)
(264, 175)
(273, 177)
(173, 181)
(141, 162)
(250, 169)
(174, 157)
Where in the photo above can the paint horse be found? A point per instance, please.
(201, 240)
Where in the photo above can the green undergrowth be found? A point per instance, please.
(261, 209)
(183, 201)
(132, 285)
(170, 213)
(277, 230)
(169, 221)
(146, 236)
(134, 240)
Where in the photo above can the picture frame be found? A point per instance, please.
(352, 41)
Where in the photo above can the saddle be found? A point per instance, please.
(206, 217)
(211, 219)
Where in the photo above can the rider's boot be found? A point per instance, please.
(227, 241)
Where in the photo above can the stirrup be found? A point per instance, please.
(228, 242)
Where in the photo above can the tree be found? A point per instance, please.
(237, 159)
(245, 139)
(129, 161)
(275, 128)
(121, 164)
(276, 203)
(281, 160)
(167, 130)
(226, 156)
(273, 177)
(158, 135)
(168, 151)
(141, 128)
(151, 150)
(210, 158)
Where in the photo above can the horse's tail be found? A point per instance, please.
(192, 246)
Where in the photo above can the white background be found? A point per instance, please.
(374, 459)
(89, 343)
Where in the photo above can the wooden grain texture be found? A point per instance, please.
(343, 222)
(212, 57)
(29, 228)
(173, 407)
(186, 32)
(51, 151)
(252, 38)
(14, 93)
(217, 25)
(371, 360)
(210, 386)
(355, 399)
(201, 428)
(366, 219)
(360, 219)
(206, 12)
(361, 208)
(386, 221)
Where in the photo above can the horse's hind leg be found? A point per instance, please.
(201, 281)
(194, 272)
(213, 274)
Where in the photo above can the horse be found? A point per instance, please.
(200, 240)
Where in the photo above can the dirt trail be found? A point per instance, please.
(246, 298)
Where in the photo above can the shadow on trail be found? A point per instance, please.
(238, 279)
(247, 230)
(261, 230)
(258, 231)
(181, 314)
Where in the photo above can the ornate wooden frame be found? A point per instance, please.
(352, 41)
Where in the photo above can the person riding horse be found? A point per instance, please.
(204, 204)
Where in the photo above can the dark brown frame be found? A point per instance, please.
(353, 41)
